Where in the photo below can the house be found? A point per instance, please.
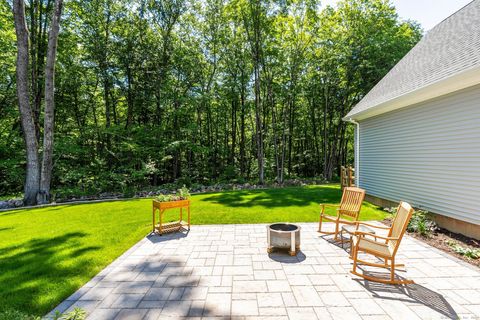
(417, 133)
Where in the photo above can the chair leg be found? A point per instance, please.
(353, 255)
(336, 231)
(351, 247)
(320, 226)
(392, 270)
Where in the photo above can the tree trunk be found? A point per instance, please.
(291, 119)
(129, 97)
(258, 122)
(325, 142)
(38, 33)
(32, 178)
(242, 131)
(49, 117)
(234, 128)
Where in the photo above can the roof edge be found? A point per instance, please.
(459, 81)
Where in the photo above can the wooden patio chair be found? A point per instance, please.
(349, 207)
(384, 248)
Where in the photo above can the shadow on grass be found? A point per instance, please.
(64, 205)
(35, 274)
(281, 197)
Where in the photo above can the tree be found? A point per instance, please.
(32, 180)
(36, 181)
(49, 116)
(186, 92)
(254, 17)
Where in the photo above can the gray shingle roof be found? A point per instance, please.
(449, 48)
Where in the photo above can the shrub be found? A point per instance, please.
(422, 223)
(390, 210)
(464, 251)
(76, 314)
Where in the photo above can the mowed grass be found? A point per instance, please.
(48, 253)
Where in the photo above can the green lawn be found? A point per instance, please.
(48, 253)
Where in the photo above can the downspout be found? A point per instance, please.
(357, 151)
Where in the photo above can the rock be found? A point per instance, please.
(171, 189)
(4, 205)
(18, 203)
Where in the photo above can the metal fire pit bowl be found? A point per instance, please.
(283, 236)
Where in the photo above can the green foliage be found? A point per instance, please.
(11, 314)
(12, 156)
(422, 223)
(157, 92)
(184, 193)
(467, 252)
(75, 314)
(181, 194)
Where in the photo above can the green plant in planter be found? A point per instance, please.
(422, 223)
(181, 194)
(184, 193)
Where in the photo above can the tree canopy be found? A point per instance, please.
(155, 91)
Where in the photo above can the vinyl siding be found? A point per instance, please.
(427, 154)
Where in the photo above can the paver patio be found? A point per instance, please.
(224, 271)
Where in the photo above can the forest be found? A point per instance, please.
(149, 92)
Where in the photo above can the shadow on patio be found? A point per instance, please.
(156, 238)
(162, 285)
(283, 257)
(411, 293)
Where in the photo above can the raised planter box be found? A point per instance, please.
(161, 227)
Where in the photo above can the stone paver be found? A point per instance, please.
(224, 272)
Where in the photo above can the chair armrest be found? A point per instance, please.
(322, 206)
(363, 234)
(372, 225)
(328, 205)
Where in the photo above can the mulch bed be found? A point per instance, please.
(442, 237)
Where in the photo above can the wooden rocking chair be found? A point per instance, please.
(386, 249)
(350, 206)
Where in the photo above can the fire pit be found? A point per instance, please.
(283, 236)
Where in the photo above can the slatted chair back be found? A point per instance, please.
(399, 225)
(351, 202)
